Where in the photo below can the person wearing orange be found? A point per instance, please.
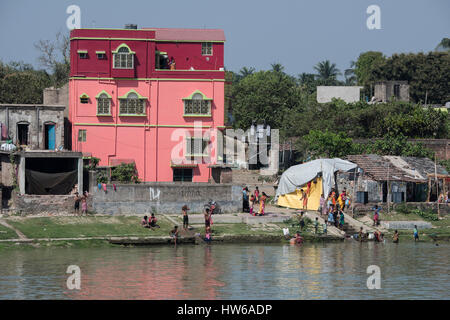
(304, 197)
(262, 203)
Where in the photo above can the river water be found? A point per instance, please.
(313, 271)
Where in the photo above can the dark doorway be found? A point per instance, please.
(50, 136)
(22, 133)
(385, 191)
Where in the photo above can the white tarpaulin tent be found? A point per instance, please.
(299, 175)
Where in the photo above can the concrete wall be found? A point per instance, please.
(384, 91)
(36, 116)
(58, 96)
(7, 170)
(45, 204)
(440, 146)
(346, 93)
(363, 183)
(165, 198)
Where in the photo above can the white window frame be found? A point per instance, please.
(207, 48)
(123, 54)
(101, 100)
(126, 103)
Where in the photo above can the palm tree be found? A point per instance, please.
(326, 70)
(350, 76)
(277, 67)
(444, 45)
(244, 72)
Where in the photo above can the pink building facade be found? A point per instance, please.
(154, 97)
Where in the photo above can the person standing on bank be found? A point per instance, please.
(77, 203)
(84, 205)
(184, 210)
(416, 234)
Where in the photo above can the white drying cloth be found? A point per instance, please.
(301, 174)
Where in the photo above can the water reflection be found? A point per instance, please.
(311, 271)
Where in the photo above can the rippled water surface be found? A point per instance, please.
(313, 271)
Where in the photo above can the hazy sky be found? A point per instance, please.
(295, 33)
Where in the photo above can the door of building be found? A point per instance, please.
(50, 137)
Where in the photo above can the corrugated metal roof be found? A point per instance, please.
(383, 168)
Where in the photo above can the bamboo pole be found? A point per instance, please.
(388, 189)
(437, 185)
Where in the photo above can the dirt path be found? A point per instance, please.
(7, 225)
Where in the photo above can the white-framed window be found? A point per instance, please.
(83, 54)
(123, 58)
(103, 104)
(82, 135)
(132, 104)
(197, 105)
(207, 49)
(101, 55)
(196, 147)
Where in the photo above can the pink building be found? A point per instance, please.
(135, 95)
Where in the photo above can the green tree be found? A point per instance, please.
(20, 83)
(264, 95)
(427, 74)
(125, 173)
(349, 74)
(327, 71)
(326, 144)
(444, 45)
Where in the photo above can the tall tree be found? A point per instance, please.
(350, 76)
(264, 95)
(365, 64)
(444, 45)
(55, 57)
(327, 71)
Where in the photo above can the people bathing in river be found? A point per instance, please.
(298, 239)
(208, 219)
(316, 225)
(184, 211)
(360, 234)
(208, 234)
(396, 237)
(378, 236)
(416, 233)
(174, 233)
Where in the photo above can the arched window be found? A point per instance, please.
(123, 57)
(132, 104)
(103, 103)
(197, 104)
